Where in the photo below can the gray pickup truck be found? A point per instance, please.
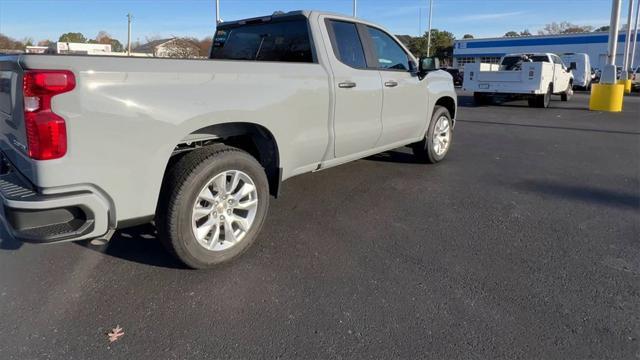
(94, 144)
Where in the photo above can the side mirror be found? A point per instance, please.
(427, 64)
(573, 66)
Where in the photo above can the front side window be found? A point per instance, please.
(286, 41)
(389, 54)
(346, 44)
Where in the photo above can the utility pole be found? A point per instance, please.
(129, 18)
(609, 70)
(355, 8)
(218, 20)
(429, 31)
(635, 38)
(624, 74)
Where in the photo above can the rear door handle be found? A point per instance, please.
(347, 85)
(391, 84)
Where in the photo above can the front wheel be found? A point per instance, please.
(436, 144)
(214, 202)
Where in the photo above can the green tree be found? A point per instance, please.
(73, 37)
(116, 46)
(603, 28)
(511, 33)
(467, 36)
(441, 44)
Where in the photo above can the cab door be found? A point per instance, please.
(404, 109)
(357, 120)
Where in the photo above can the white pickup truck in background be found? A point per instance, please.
(581, 65)
(534, 77)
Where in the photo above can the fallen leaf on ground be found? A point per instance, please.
(115, 334)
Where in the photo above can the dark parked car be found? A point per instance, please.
(458, 75)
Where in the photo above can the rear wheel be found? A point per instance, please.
(435, 146)
(214, 202)
(543, 101)
(480, 99)
(567, 94)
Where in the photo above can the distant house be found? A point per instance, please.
(173, 48)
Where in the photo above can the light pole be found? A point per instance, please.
(624, 74)
(635, 38)
(129, 18)
(608, 95)
(218, 20)
(355, 8)
(609, 70)
(429, 31)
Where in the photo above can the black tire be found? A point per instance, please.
(480, 99)
(423, 150)
(543, 101)
(567, 94)
(181, 186)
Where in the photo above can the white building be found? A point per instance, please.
(81, 48)
(36, 49)
(489, 50)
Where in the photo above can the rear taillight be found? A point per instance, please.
(46, 131)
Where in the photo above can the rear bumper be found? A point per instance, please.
(30, 216)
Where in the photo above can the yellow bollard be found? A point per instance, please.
(627, 85)
(606, 97)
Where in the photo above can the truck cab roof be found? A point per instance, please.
(282, 15)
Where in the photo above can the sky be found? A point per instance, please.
(48, 19)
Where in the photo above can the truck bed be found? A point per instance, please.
(138, 109)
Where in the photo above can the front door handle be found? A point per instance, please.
(347, 85)
(391, 84)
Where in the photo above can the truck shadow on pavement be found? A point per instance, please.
(467, 101)
(395, 156)
(603, 197)
(548, 127)
(138, 244)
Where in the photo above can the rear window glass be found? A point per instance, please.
(346, 44)
(286, 41)
(515, 62)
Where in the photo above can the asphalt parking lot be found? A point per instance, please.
(524, 243)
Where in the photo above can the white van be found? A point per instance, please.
(581, 71)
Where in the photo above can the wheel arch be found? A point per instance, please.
(449, 103)
(253, 138)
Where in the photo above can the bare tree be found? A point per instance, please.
(564, 27)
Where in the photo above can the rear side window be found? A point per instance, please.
(286, 41)
(346, 44)
(390, 54)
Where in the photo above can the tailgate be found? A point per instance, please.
(13, 137)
